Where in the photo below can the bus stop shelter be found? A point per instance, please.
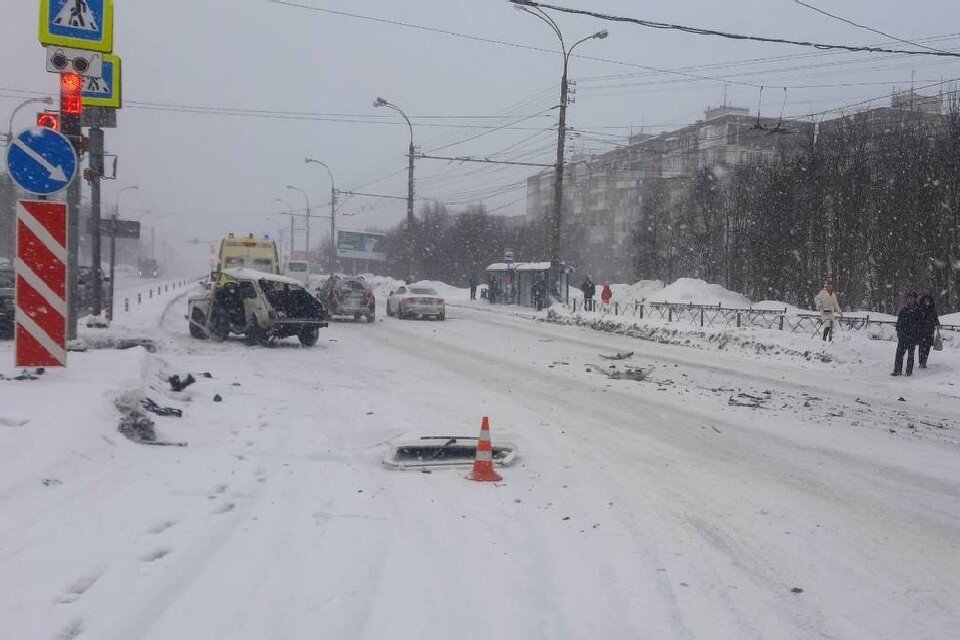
(515, 281)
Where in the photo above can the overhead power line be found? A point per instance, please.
(504, 43)
(863, 26)
(484, 160)
(726, 34)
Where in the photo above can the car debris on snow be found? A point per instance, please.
(630, 373)
(179, 385)
(748, 400)
(153, 407)
(625, 355)
(136, 425)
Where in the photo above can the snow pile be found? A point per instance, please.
(642, 290)
(950, 318)
(446, 291)
(696, 291)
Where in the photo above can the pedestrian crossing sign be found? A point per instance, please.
(79, 24)
(106, 90)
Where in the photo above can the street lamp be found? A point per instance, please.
(305, 197)
(288, 213)
(47, 100)
(381, 102)
(333, 214)
(113, 243)
(557, 222)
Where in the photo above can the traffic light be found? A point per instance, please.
(71, 103)
(49, 120)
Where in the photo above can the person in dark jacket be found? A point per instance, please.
(492, 289)
(909, 330)
(474, 283)
(928, 327)
(589, 290)
(538, 291)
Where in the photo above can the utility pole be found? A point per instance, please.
(73, 249)
(96, 171)
(556, 222)
(333, 214)
(408, 244)
(292, 219)
(71, 110)
(305, 197)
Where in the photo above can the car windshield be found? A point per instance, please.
(423, 291)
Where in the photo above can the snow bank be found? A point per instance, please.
(700, 292)
(950, 318)
(448, 292)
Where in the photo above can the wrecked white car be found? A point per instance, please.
(260, 306)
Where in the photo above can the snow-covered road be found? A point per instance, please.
(647, 509)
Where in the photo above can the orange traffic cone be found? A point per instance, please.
(483, 464)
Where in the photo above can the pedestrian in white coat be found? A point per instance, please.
(829, 307)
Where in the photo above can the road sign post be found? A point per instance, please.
(42, 161)
(80, 24)
(41, 284)
(105, 91)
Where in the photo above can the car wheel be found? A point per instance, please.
(197, 324)
(357, 316)
(442, 316)
(308, 336)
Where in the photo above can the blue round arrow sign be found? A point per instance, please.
(42, 161)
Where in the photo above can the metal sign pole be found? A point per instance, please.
(96, 171)
(113, 262)
(73, 246)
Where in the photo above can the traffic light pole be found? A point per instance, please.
(73, 246)
(96, 171)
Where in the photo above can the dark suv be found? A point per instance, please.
(349, 296)
(7, 303)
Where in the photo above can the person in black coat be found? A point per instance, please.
(909, 330)
(589, 290)
(492, 289)
(928, 327)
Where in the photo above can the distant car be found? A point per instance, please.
(148, 269)
(7, 304)
(414, 301)
(349, 296)
(260, 306)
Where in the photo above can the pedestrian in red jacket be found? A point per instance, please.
(606, 295)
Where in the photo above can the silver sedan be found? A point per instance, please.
(414, 301)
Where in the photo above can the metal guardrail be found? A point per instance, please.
(718, 315)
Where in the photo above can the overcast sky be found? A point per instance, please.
(204, 174)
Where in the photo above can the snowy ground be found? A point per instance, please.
(651, 509)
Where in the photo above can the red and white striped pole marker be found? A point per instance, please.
(41, 288)
(483, 464)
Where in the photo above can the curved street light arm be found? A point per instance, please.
(539, 13)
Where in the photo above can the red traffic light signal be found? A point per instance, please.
(71, 94)
(48, 120)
